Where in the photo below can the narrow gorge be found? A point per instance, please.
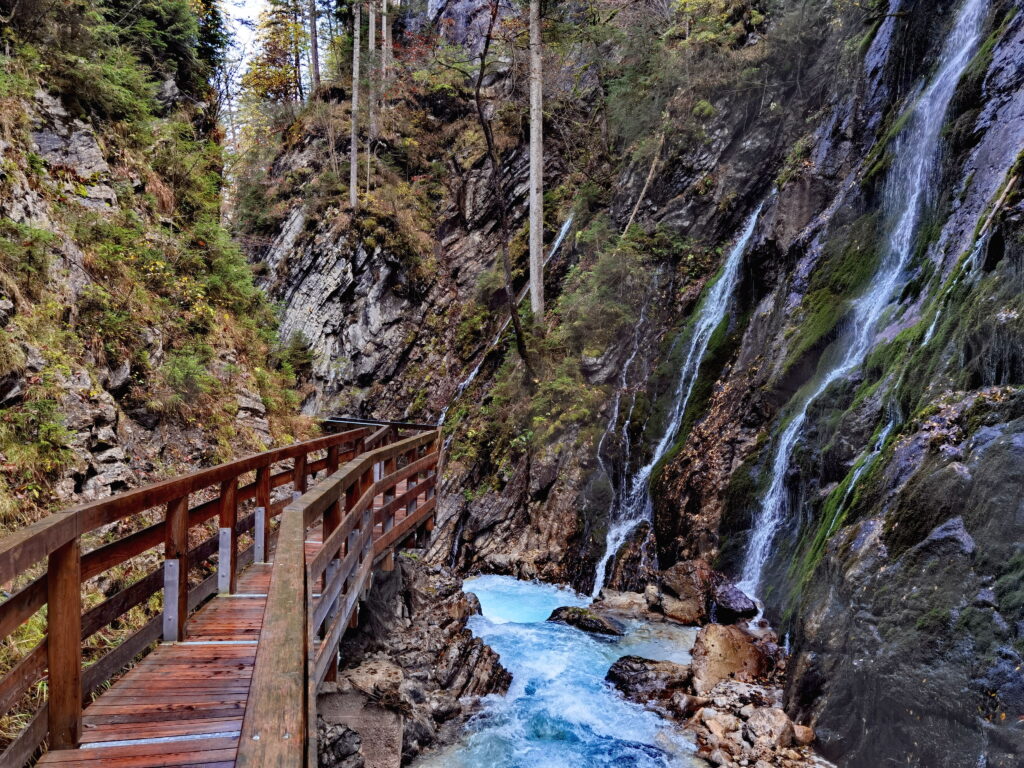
(723, 337)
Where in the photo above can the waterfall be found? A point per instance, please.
(633, 505)
(464, 384)
(914, 154)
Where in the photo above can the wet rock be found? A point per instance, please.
(646, 681)
(726, 653)
(685, 704)
(690, 582)
(731, 604)
(587, 620)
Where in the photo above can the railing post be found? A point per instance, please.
(366, 481)
(299, 484)
(227, 551)
(64, 650)
(262, 514)
(176, 570)
(332, 519)
(352, 495)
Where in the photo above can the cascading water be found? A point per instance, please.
(914, 156)
(559, 710)
(633, 504)
(464, 384)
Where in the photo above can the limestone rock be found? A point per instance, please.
(65, 141)
(630, 604)
(726, 653)
(769, 727)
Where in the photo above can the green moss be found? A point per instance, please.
(704, 110)
(1009, 587)
(934, 621)
(879, 157)
(25, 254)
(849, 261)
(795, 161)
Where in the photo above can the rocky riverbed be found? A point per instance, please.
(413, 658)
(729, 697)
(620, 678)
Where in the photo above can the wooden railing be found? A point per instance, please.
(299, 642)
(239, 493)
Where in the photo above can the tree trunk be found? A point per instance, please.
(371, 47)
(296, 17)
(495, 179)
(353, 177)
(536, 165)
(314, 49)
(385, 44)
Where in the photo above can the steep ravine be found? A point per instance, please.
(895, 568)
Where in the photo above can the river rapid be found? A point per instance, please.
(559, 711)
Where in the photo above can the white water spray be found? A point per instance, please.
(914, 154)
(633, 505)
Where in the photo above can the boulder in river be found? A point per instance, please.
(732, 604)
(646, 681)
(587, 620)
(726, 653)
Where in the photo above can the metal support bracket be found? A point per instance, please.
(225, 561)
(171, 568)
(260, 555)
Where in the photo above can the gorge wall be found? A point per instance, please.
(895, 566)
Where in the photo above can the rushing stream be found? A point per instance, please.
(914, 153)
(632, 504)
(559, 712)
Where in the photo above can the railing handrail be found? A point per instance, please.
(55, 541)
(378, 422)
(277, 729)
(34, 542)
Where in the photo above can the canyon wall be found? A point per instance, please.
(894, 566)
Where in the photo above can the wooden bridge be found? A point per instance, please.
(225, 670)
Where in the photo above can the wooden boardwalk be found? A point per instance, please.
(185, 703)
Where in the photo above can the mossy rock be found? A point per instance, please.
(586, 620)
(847, 265)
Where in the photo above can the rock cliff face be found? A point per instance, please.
(99, 389)
(895, 568)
